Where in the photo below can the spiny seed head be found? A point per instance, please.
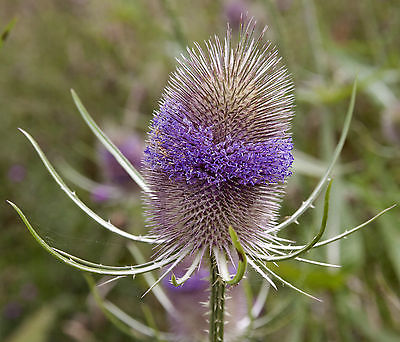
(219, 149)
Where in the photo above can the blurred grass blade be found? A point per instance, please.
(6, 32)
(134, 324)
(72, 195)
(109, 145)
(306, 204)
(75, 177)
(259, 303)
(175, 21)
(150, 279)
(151, 322)
(272, 314)
(138, 269)
(36, 327)
(247, 321)
(120, 319)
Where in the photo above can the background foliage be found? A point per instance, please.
(117, 55)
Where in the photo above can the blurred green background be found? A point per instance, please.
(117, 55)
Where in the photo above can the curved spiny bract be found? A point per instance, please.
(219, 148)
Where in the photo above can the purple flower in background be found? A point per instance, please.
(16, 173)
(234, 12)
(101, 193)
(12, 310)
(197, 282)
(131, 146)
(219, 148)
(116, 180)
(284, 5)
(29, 292)
(190, 301)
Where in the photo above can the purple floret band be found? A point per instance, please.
(187, 152)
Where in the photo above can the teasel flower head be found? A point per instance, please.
(219, 148)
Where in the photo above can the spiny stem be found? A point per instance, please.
(217, 302)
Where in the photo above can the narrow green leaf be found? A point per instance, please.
(182, 255)
(109, 145)
(137, 269)
(134, 324)
(89, 263)
(73, 196)
(353, 230)
(266, 269)
(178, 282)
(339, 236)
(102, 304)
(308, 203)
(242, 263)
(150, 279)
(316, 238)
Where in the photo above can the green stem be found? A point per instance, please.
(217, 302)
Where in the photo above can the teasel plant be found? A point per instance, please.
(218, 155)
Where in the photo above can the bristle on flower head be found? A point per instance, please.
(219, 150)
